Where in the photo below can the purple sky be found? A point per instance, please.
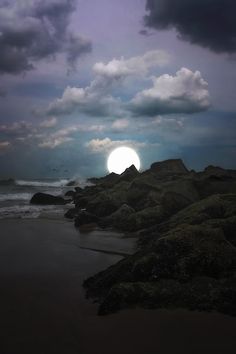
(80, 77)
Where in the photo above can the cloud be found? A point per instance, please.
(49, 123)
(140, 65)
(89, 100)
(210, 24)
(120, 125)
(52, 143)
(186, 92)
(65, 135)
(3, 92)
(106, 144)
(16, 128)
(35, 30)
(96, 99)
(4, 145)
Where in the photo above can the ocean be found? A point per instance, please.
(15, 196)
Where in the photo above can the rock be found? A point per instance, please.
(71, 213)
(129, 174)
(120, 218)
(71, 184)
(186, 222)
(102, 205)
(79, 190)
(84, 218)
(70, 194)
(167, 167)
(202, 294)
(181, 255)
(216, 207)
(47, 199)
(219, 172)
(107, 181)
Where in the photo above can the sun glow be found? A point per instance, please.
(122, 158)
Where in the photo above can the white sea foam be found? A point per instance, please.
(38, 183)
(27, 211)
(15, 196)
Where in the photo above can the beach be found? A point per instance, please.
(44, 310)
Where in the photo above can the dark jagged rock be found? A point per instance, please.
(84, 218)
(202, 294)
(129, 174)
(71, 184)
(106, 181)
(186, 224)
(79, 190)
(103, 204)
(194, 259)
(173, 167)
(120, 219)
(70, 194)
(47, 199)
(72, 213)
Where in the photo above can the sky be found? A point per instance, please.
(79, 78)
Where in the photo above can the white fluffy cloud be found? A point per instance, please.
(120, 125)
(186, 92)
(49, 123)
(65, 135)
(90, 100)
(118, 68)
(54, 142)
(106, 144)
(96, 99)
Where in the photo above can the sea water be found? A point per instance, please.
(15, 196)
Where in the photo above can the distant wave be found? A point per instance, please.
(17, 196)
(38, 183)
(7, 182)
(28, 211)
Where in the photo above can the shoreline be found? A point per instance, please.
(44, 309)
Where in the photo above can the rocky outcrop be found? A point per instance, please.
(47, 199)
(85, 218)
(189, 261)
(169, 167)
(106, 181)
(186, 228)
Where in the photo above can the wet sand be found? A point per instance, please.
(43, 309)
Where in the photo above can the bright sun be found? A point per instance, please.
(122, 158)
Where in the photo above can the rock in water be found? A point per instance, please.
(47, 199)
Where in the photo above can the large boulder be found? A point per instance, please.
(106, 181)
(181, 256)
(85, 218)
(47, 199)
(120, 219)
(103, 205)
(72, 213)
(169, 167)
(216, 209)
(191, 263)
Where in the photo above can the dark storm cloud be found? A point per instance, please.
(209, 23)
(37, 30)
